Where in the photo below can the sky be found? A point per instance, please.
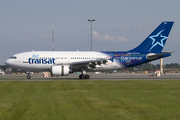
(27, 25)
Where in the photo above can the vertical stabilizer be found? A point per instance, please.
(156, 40)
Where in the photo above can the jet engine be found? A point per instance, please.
(60, 70)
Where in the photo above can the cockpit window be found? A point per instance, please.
(13, 57)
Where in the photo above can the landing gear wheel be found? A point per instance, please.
(28, 77)
(87, 77)
(81, 76)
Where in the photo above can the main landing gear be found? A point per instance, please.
(82, 76)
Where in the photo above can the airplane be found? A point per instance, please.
(62, 63)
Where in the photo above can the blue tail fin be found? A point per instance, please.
(156, 40)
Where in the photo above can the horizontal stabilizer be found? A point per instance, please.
(152, 56)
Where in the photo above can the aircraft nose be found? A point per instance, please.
(7, 62)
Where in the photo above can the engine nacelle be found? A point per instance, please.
(60, 70)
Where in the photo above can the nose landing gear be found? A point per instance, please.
(28, 76)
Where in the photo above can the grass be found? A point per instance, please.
(90, 100)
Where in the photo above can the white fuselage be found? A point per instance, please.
(44, 60)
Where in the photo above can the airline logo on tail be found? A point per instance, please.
(157, 40)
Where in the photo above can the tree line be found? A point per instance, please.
(152, 67)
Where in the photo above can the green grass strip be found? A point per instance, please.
(90, 100)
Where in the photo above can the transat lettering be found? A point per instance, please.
(41, 61)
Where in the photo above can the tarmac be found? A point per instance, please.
(93, 76)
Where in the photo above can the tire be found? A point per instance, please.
(81, 76)
(28, 77)
(87, 76)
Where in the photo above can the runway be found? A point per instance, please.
(102, 76)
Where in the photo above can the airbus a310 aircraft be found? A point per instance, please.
(61, 63)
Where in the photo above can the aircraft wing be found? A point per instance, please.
(152, 56)
(91, 64)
